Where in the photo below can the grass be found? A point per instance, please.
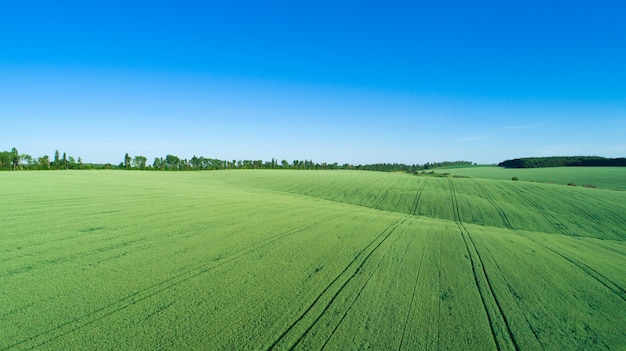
(307, 260)
(613, 178)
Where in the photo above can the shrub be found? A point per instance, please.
(514, 178)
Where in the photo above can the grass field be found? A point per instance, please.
(602, 177)
(333, 260)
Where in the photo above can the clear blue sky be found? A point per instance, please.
(332, 81)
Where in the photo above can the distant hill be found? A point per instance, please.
(560, 161)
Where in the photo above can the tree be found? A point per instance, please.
(15, 158)
(195, 162)
(5, 160)
(44, 162)
(32, 161)
(139, 162)
(172, 162)
(56, 159)
(127, 160)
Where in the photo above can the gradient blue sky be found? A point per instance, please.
(332, 81)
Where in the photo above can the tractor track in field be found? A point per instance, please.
(408, 313)
(44, 263)
(542, 213)
(80, 322)
(586, 215)
(502, 342)
(503, 216)
(378, 203)
(356, 298)
(601, 278)
(380, 200)
(418, 196)
(507, 223)
(439, 290)
(99, 250)
(357, 263)
(612, 249)
(517, 304)
(111, 242)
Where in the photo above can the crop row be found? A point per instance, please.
(267, 260)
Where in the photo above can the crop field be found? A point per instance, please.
(602, 177)
(308, 260)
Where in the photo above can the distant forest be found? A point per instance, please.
(561, 161)
(13, 160)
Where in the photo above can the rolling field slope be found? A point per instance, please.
(322, 260)
(603, 177)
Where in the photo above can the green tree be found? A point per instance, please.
(194, 162)
(139, 162)
(72, 162)
(44, 162)
(56, 162)
(172, 162)
(15, 158)
(127, 161)
(5, 160)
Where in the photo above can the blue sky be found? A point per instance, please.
(349, 82)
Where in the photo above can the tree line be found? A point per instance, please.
(174, 163)
(13, 160)
(562, 161)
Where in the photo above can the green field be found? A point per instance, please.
(601, 177)
(333, 260)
